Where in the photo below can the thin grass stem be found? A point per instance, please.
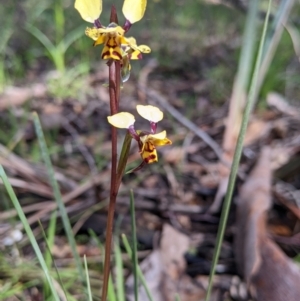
(50, 242)
(139, 271)
(119, 272)
(57, 195)
(237, 155)
(272, 39)
(134, 258)
(51, 259)
(29, 232)
(88, 284)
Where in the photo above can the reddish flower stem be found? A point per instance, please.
(114, 94)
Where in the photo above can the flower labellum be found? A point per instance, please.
(116, 46)
(149, 143)
(113, 38)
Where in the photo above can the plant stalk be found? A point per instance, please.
(114, 95)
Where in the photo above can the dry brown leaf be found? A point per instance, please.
(64, 251)
(260, 260)
(277, 101)
(187, 289)
(173, 247)
(256, 130)
(152, 269)
(15, 96)
(175, 155)
(32, 173)
(233, 124)
(164, 268)
(281, 154)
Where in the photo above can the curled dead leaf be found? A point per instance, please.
(261, 262)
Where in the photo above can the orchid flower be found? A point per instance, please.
(147, 141)
(116, 45)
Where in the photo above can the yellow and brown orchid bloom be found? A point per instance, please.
(116, 45)
(149, 144)
(112, 37)
(147, 141)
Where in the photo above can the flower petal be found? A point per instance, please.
(144, 48)
(122, 120)
(158, 136)
(162, 142)
(93, 33)
(150, 113)
(132, 44)
(134, 10)
(158, 139)
(89, 10)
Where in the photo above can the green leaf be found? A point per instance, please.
(123, 157)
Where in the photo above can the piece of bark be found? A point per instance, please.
(267, 271)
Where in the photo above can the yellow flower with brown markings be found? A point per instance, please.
(112, 37)
(116, 45)
(148, 142)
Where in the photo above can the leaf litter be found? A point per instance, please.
(176, 224)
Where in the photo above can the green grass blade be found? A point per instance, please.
(57, 194)
(6, 34)
(134, 246)
(241, 82)
(70, 38)
(90, 298)
(59, 18)
(237, 155)
(177, 297)
(29, 232)
(42, 38)
(247, 51)
(119, 272)
(7, 290)
(123, 158)
(139, 271)
(50, 242)
(50, 237)
(111, 294)
(56, 54)
(272, 39)
(49, 255)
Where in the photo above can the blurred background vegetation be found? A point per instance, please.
(193, 41)
(188, 38)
